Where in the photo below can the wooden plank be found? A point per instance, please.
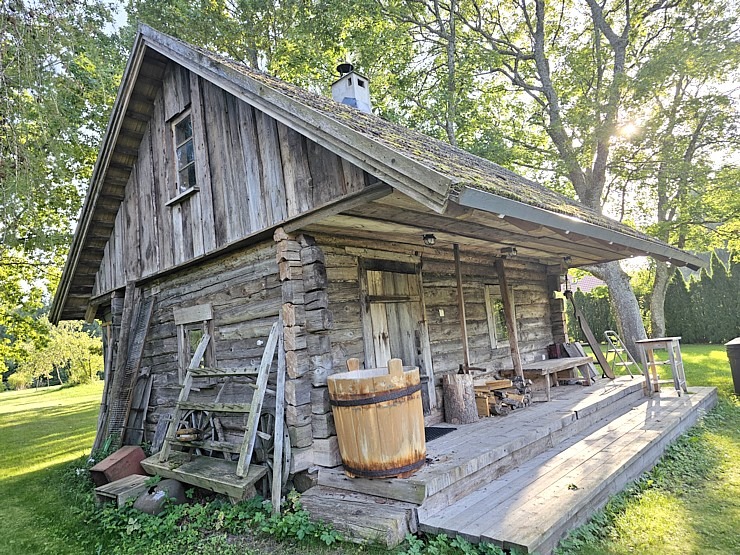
(148, 214)
(399, 489)
(256, 202)
(223, 372)
(202, 166)
(178, 233)
(273, 184)
(176, 87)
(163, 182)
(362, 518)
(461, 308)
(233, 158)
(245, 455)
(278, 451)
(133, 433)
(118, 268)
(210, 473)
(593, 343)
(327, 174)
(296, 172)
(354, 177)
(224, 446)
(192, 314)
(511, 327)
(214, 113)
(214, 407)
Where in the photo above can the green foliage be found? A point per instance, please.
(60, 71)
(706, 310)
(70, 355)
(443, 545)
(679, 310)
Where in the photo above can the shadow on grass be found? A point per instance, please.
(35, 513)
(31, 417)
(36, 517)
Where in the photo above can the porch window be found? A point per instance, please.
(184, 152)
(496, 316)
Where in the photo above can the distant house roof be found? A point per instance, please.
(427, 170)
(586, 284)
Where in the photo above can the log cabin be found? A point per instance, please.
(224, 199)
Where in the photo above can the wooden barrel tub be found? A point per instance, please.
(380, 421)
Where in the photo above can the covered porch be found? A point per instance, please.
(518, 481)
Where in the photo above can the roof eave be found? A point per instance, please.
(409, 176)
(502, 206)
(108, 144)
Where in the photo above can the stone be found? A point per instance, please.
(304, 481)
(153, 500)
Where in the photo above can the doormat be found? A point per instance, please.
(433, 432)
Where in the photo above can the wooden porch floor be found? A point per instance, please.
(533, 506)
(487, 480)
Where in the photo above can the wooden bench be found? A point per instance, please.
(553, 366)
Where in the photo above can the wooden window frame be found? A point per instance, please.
(198, 317)
(183, 192)
(494, 291)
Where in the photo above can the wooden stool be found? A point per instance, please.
(649, 364)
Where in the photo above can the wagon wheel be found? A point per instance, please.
(264, 452)
(202, 421)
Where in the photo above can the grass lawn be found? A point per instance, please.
(689, 504)
(41, 430)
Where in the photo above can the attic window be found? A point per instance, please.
(184, 152)
(361, 83)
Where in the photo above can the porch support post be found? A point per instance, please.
(557, 305)
(503, 283)
(461, 308)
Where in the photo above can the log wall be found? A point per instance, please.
(252, 173)
(244, 292)
(531, 297)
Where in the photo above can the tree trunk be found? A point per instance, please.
(623, 303)
(657, 299)
(459, 399)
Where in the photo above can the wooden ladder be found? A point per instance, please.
(619, 353)
(221, 475)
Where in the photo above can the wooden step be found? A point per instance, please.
(223, 372)
(209, 473)
(532, 507)
(122, 490)
(214, 407)
(224, 446)
(360, 517)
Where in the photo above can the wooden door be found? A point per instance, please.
(394, 320)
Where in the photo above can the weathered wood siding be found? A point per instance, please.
(531, 297)
(244, 292)
(252, 173)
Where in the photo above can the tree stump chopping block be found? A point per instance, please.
(459, 399)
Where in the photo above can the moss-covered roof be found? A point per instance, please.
(460, 166)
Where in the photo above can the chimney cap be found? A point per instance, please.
(344, 68)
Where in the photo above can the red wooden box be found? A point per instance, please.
(124, 462)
